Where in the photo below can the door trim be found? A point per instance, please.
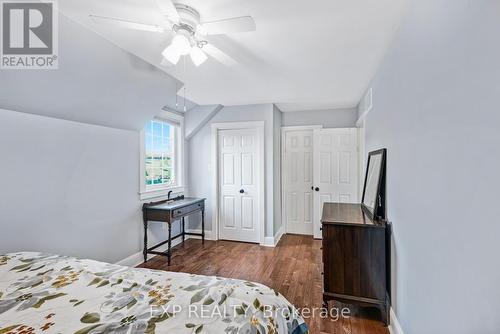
(284, 130)
(259, 126)
(361, 126)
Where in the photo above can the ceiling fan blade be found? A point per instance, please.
(228, 26)
(219, 55)
(126, 24)
(168, 9)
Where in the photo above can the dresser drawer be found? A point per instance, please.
(187, 209)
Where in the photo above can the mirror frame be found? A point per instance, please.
(378, 212)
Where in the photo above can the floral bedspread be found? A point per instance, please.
(41, 293)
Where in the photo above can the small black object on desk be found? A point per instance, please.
(170, 211)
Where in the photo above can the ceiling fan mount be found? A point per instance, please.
(189, 18)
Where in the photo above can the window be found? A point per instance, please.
(160, 148)
(161, 156)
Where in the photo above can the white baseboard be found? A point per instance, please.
(273, 241)
(278, 235)
(395, 326)
(268, 242)
(208, 234)
(137, 258)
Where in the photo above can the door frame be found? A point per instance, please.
(361, 150)
(284, 130)
(216, 127)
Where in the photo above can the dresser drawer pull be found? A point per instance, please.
(179, 211)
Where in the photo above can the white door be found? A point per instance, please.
(335, 169)
(297, 181)
(239, 185)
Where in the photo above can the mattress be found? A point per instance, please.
(43, 293)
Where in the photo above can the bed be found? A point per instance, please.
(43, 293)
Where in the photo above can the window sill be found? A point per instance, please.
(155, 193)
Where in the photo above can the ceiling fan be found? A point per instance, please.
(189, 32)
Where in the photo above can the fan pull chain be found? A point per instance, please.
(176, 97)
(185, 109)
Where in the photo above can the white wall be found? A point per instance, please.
(199, 151)
(69, 188)
(436, 109)
(195, 118)
(338, 118)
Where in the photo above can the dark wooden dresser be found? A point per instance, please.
(356, 257)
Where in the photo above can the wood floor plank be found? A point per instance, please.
(293, 268)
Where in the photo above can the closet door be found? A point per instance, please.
(297, 181)
(335, 169)
(238, 185)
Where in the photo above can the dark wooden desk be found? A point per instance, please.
(356, 257)
(169, 212)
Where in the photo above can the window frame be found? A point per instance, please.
(153, 191)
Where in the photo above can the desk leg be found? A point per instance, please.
(183, 229)
(169, 242)
(145, 250)
(203, 226)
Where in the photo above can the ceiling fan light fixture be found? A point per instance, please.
(181, 42)
(198, 56)
(171, 54)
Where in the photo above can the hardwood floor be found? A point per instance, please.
(293, 268)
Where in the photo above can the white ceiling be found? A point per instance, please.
(316, 54)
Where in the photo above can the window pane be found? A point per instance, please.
(157, 129)
(156, 175)
(157, 144)
(157, 159)
(167, 176)
(149, 161)
(167, 162)
(165, 147)
(149, 178)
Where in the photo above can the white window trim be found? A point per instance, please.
(145, 192)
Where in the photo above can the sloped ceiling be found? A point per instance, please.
(96, 83)
(314, 54)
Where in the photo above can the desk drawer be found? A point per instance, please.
(187, 209)
(158, 216)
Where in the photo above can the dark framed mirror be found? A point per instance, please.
(373, 200)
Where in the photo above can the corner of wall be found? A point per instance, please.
(277, 122)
